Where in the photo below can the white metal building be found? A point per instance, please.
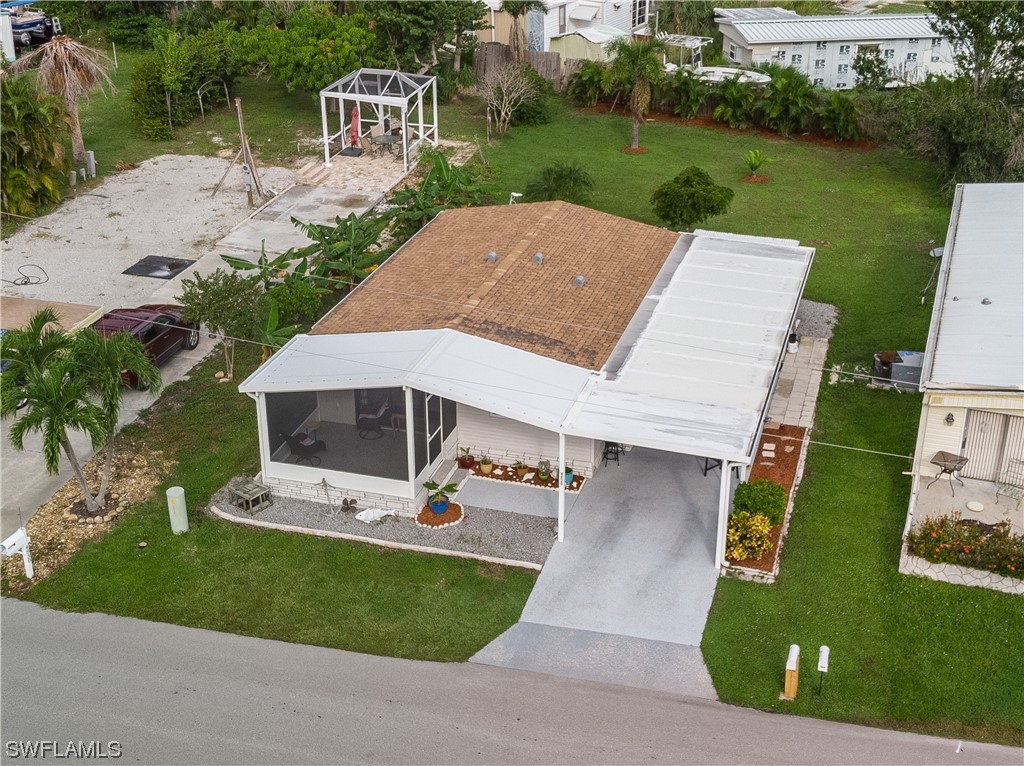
(973, 370)
(566, 17)
(823, 47)
(669, 341)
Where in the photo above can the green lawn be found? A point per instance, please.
(262, 583)
(906, 652)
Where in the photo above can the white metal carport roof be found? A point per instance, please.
(697, 374)
(974, 344)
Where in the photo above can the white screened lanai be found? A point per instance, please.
(387, 100)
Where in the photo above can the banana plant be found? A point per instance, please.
(267, 270)
(343, 251)
(273, 337)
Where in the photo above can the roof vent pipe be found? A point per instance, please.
(491, 257)
(538, 258)
(578, 281)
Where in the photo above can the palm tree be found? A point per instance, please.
(58, 402)
(103, 363)
(517, 35)
(635, 67)
(28, 350)
(69, 70)
(564, 180)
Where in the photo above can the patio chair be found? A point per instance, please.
(371, 424)
(303, 447)
(612, 451)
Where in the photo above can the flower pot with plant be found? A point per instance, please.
(466, 459)
(438, 497)
(521, 469)
(543, 470)
(568, 475)
(486, 466)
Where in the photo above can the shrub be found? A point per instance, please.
(564, 180)
(736, 104)
(839, 117)
(690, 198)
(688, 92)
(754, 159)
(587, 84)
(534, 109)
(763, 497)
(146, 100)
(948, 540)
(749, 535)
(296, 300)
(135, 30)
(788, 102)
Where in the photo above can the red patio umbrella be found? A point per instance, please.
(353, 132)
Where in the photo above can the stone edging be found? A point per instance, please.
(357, 538)
(759, 575)
(958, 575)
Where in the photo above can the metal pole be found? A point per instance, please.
(723, 513)
(561, 487)
(323, 124)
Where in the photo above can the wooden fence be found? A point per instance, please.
(490, 57)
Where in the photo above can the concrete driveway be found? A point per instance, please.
(624, 598)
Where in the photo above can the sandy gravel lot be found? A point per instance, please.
(163, 207)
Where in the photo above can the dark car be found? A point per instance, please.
(158, 327)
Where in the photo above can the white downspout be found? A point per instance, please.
(323, 122)
(723, 513)
(561, 486)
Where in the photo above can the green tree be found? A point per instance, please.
(414, 32)
(736, 104)
(637, 64)
(688, 92)
(69, 70)
(32, 130)
(229, 304)
(871, 70)
(587, 84)
(517, 9)
(104, 363)
(987, 38)
(839, 116)
(273, 335)
(564, 180)
(28, 350)
(345, 253)
(690, 198)
(788, 101)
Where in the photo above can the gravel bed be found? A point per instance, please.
(816, 319)
(483, 531)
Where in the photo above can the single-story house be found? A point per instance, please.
(973, 368)
(823, 47)
(531, 331)
(566, 17)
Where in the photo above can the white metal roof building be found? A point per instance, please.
(824, 47)
(692, 373)
(976, 337)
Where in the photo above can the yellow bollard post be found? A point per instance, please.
(792, 673)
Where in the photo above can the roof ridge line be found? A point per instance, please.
(506, 262)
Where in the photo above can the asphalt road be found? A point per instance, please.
(24, 483)
(173, 695)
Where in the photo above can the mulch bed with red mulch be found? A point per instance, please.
(754, 178)
(508, 473)
(452, 516)
(782, 470)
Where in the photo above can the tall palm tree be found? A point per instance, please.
(58, 402)
(637, 64)
(103, 363)
(517, 34)
(69, 70)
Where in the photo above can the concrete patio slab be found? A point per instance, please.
(515, 498)
(653, 665)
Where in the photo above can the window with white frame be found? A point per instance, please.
(639, 12)
(561, 19)
(844, 50)
(733, 52)
(911, 56)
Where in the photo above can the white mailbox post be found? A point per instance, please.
(18, 543)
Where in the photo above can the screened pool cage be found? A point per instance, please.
(388, 103)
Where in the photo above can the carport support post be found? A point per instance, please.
(323, 123)
(723, 513)
(561, 486)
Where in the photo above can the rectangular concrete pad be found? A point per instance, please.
(515, 498)
(654, 665)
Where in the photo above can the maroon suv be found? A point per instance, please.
(158, 327)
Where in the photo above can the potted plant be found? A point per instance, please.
(438, 497)
(486, 466)
(521, 469)
(544, 469)
(466, 460)
(568, 475)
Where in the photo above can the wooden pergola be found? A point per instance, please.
(383, 97)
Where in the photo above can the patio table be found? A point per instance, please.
(948, 463)
(386, 142)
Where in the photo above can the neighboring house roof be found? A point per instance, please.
(974, 345)
(690, 370)
(599, 33)
(751, 14)
(441, 278)
(815, 28)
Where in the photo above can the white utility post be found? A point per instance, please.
(561, 486)
(723, 513)
(323, 123)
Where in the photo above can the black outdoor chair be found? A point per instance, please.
(612, 451)
(371, 424)
(305, 448)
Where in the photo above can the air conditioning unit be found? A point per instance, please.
(900, 369)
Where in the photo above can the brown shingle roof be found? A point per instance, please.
(441, 278)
